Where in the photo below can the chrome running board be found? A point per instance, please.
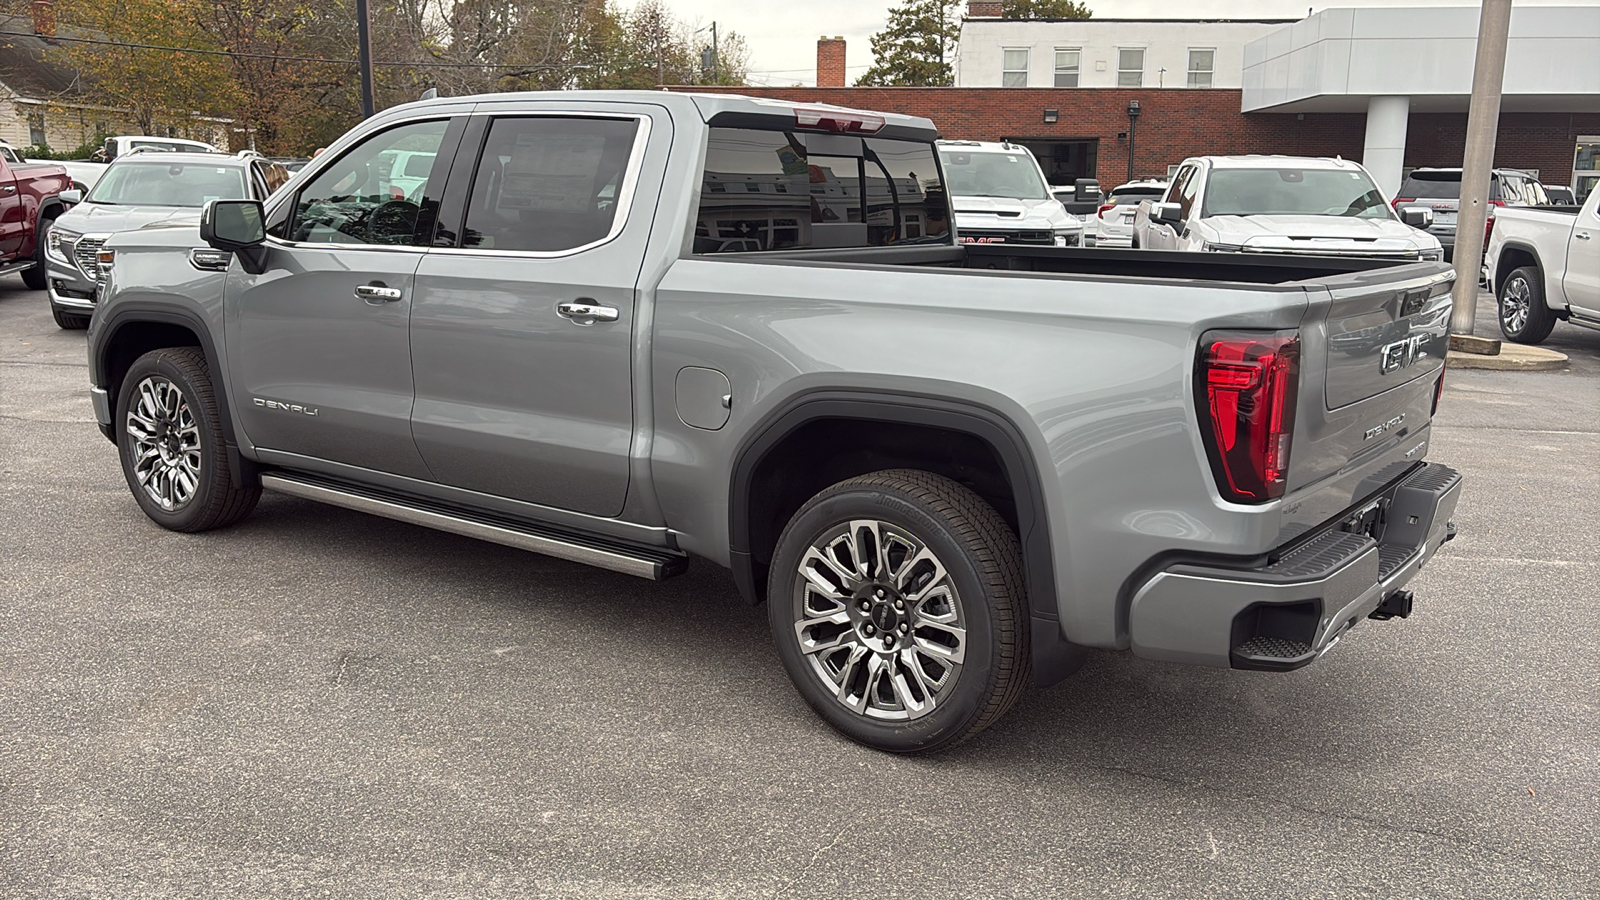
(642, 562)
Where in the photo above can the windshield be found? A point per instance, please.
(992, 175)
(1294, 192)
(168, 184)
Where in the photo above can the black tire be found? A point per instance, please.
(982, 559)
(1524, 317)
(215, 500)
(35, 277)
(69, 320)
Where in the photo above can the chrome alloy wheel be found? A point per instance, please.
(879, 620)
(166, 443)
(1516, 303)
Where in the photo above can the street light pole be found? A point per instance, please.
(364, 56)
(1133, 124)
(1483, 120)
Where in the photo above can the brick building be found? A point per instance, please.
(1306, 90)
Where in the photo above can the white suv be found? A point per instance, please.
(1000, 196)
(1113, 223)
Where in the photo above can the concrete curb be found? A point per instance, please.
(1512, 358)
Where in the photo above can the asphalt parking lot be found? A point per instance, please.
(321, 703)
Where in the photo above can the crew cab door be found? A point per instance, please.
(1582, 282)
(524, 311)
(14, 219)
(1182, 191)
(318, 343)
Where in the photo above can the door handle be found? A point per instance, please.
(1582, 235)
(377, 292)
(11, 189)
(585, 312)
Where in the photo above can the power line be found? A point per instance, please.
(316, 59)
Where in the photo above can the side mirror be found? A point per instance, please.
(1087, 190)
(239, 227)
(1417, 216)
(1166, 213)
(71, 196)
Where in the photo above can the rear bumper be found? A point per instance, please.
(1285, 614)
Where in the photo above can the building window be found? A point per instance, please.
(36, 135)
(1130, 67)
(1201, 63)
(1067, 68)
(1014, 71)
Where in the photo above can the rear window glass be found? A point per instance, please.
(1138, 193)
(1433, 185)
(774, 190)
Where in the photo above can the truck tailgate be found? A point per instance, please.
(1383, 335)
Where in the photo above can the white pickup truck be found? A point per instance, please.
(1544, 265)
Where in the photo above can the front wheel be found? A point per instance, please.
(35, 278)
(897, 603)
(1524, 317)
(169, 436)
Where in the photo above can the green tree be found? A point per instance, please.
(916, 47)
(1046, 9)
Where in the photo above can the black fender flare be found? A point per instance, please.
(1500, 276)
(1054, 657)
(149, 311)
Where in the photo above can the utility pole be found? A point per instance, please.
(1483, 120)
(1133, 125)
(364, 56)
(716, 57)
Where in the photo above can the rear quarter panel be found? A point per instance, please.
(1095, 373)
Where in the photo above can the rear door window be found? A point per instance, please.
(774, 190)
(548, 184)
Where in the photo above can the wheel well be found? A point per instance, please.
(826, 451)
(134, 340)
(1511, 258)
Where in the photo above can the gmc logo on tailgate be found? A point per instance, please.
(1396, 356)
(983, 240)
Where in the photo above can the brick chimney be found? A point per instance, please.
(44, 18)
(985, 9)
(830, 61)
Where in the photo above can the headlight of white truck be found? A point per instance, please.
(53, 244)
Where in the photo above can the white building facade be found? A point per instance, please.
(1106, 53)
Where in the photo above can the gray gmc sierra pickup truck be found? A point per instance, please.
(630, 328)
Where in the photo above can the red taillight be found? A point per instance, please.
(1488, 229)
(838, 120)
(1103, 207)
(1497, 203)
(1400, 200)
(1250, 383)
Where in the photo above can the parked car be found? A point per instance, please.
(1113, 221)
(1560, 195)
(85, 172)
(30, 198)
(1544, 265)
(1001, 197)
(1439, 190)
(138, 190)
(947, 468)
(1280, 204)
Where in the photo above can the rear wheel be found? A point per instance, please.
(897, 604)
(1524, 317)
(169, 436)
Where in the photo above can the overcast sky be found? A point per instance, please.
(783, 35)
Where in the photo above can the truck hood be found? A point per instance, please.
(95, 218)
(1316, 234)
(1012, 213)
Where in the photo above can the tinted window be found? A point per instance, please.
(1287, 191)
(168, 184)
(771, 190)
(1432, 185)
(548, 184)
(1134, 195)
(355, 201)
